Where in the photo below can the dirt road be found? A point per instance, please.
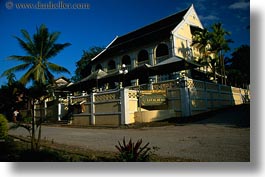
(224, 136)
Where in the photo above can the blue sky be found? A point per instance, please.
(105, 19)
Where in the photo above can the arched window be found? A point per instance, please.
(126, 60)
(111, 65)
(162, 50)
(99, 66)
(143, 56)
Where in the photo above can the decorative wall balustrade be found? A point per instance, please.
(167, 99)
(112, 108)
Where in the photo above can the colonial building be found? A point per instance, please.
(155, 66)
(167, 41)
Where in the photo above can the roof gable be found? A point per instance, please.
(153, 32)
(62, 81)
(191, 18)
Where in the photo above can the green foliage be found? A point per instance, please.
(83, 66)
(3, 126)
(10, 98)
(39, 48)
(27, 119)
(133, 152)
(212, 45)
(14, 150)
(238, 67)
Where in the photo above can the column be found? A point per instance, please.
(59, 111)
(92, 107)
(185, 99)
(125, 118)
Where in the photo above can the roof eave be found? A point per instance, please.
(104, 49)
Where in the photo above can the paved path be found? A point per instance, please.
(225, 136)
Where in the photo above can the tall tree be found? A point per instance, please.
(39, 48)
(212, 45)
(201, 39)
(83, 67)
(219, 45)
(238, 67)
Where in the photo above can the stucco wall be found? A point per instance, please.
(155, 115)
(81, 120)
(121, 107)
(182, 35)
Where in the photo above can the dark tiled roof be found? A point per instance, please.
(155, 32)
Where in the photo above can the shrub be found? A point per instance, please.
(3, 126)
(133, 152)
(27, 119)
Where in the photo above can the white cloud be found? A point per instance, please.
(239, 5)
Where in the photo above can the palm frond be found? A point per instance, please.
(40, 39)
(27, 36)
(50, 42)
(53, 37)
(39, 48)
(26, 46)
(26, 59)
(50, 77)
(15, 69)
(28, 76)
(56, 49)
(56, 68)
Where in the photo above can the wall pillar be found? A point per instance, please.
(128, 106)
(185, 99)
(59, 111)
(92, 104)
(124, 100)
(185, 102)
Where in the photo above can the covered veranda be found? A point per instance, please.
(101, 80)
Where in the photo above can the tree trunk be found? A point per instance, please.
(224, 70)
(39, 134)
(214, 74)
(33, 128)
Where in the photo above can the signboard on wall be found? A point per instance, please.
(153, 100)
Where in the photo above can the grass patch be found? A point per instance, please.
(17, 149)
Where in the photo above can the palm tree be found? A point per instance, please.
(39, 48)
(219, 44)
(212, 45)
(201, 39)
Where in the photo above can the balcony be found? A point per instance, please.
(142, 63)
(161, 59)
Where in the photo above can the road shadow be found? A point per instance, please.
(235, 116)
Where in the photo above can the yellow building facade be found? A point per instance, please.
(151, 45)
